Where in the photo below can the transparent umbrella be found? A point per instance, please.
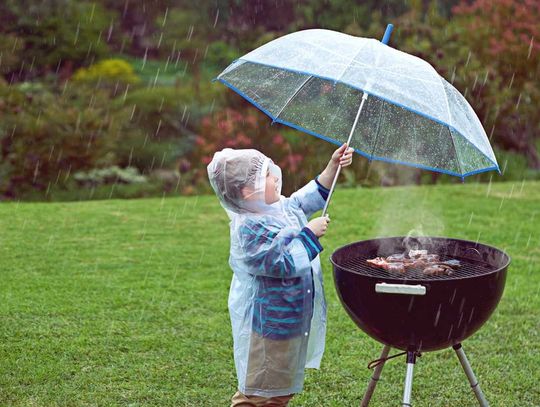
(386, 104)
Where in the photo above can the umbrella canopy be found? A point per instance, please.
(318, 80)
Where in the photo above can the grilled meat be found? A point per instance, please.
(430, 264)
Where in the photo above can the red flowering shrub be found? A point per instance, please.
(230, 128)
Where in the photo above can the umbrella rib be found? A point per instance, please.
(450, 121)
(292, 96)
(378, 128)
(348, 65)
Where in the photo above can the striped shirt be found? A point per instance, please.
(281, 299)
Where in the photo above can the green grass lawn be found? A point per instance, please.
(125, 302)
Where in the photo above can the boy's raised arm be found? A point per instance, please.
(312, 197)
(339, 157)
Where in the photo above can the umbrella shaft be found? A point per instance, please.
(364, 98)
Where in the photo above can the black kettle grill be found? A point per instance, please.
(415, 312)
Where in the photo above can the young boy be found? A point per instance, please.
(276, 300)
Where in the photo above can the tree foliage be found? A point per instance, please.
(55, 34)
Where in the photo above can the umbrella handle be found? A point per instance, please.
(364, 98)
(331, 190)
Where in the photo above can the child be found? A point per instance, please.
(276, 300)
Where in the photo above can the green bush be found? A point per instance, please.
(161, 128)
(45, 138)
(107, 73)
(56, 33)
(109, 175)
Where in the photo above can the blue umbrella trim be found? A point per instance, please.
(362, 90)
(362, 153)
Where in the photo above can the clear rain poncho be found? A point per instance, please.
(276, 299)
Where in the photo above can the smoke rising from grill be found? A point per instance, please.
(407, 213)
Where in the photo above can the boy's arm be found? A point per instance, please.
(311, 197)
(280, 253)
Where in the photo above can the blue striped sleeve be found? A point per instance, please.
(266, 257)
(322, 190)
(310, 242)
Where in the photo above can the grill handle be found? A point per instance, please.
(406, 289)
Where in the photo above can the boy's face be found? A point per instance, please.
(271, 194)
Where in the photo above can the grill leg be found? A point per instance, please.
(411, 360)
(375, 378)
(470, 375)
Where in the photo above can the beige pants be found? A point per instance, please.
(272, 364)
(241, 400)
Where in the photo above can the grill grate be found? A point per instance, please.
(469, 268)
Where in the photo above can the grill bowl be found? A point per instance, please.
(453, 308)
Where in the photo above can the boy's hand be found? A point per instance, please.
(319, 225)
(342, 157)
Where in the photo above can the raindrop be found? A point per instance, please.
(156, 78)
(165, 17)
(486, 77)
(410, 304)
(516, 237)
(200, 258)
(162, 202)
(478, 237)
(145, 57)
(57, 177)
(77, 34)
(450, 332)
(460, 318)
(453, 296)
(462, 304)
(167, 63)
(109, 32)
(438, 315)
(92, 13)
(132, 112)
(518, 101)
(470, 218)
(125, 93)
(475, 80)
(217, 16)
(190, 33)
(183, 113)
(126, 4)
(470, 316)
(31, 65)
(504, 166)
(528, 241)
(530, 48)
(511, 80)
